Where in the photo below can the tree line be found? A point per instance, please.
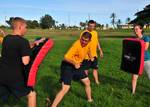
(48, 22)
(45, 22)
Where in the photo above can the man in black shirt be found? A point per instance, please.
(15, 55)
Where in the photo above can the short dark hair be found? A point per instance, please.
(15, 20)
(91, 22)
(140, 26)
(87, 35)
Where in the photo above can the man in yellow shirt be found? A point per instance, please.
(2, 34)
(71, 68)
(1, 39)
(94, 44)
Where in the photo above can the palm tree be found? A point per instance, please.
(113, 19)
(107, 26)
(83, 25)
(118, 23)
(128, 20)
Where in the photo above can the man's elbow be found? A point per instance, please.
(146, 48)
(26, 60)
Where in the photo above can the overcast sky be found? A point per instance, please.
(71, 11)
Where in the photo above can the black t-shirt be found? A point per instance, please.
(14, 47)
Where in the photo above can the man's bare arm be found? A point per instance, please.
(77, 66)
(100, 50)
(25, 60)
(146, 45)
(2, 32)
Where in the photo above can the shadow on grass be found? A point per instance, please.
(50, 86)
(113, 81)
(118, 37)
(55, 69)
(13, 102)
(120, 84)
(105, 81)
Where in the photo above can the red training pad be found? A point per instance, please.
(133, 56)
(39, 58)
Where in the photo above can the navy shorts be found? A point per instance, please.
(17, 89)
(69, 73)
(90, 64)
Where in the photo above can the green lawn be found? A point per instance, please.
(114, 89)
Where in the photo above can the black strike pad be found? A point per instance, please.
(132, 56)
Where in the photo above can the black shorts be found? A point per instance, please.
(69, 73)
(17, 89)
(90, 64)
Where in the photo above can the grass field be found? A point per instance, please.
(115, 87)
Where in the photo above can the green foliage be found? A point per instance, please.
(114, 90)
(128, 20)
(9, 22)
(143, 17)
(83, 24)
(47, 22)
(113, 19)
(32, 24)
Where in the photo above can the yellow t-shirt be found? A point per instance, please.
(77, 53)
(93, 44)
(1, 39)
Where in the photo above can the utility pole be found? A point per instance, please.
(89, 16)
(68, 19)
(5, 20)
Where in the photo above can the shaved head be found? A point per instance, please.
(19, 26)
(17, 22)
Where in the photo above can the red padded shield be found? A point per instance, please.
(39, 58)
(133, 56)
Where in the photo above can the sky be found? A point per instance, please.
(71, 12)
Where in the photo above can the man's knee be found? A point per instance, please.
(134, 77)
(31, 94)
(65, 88)
(86, 81)
(95, 71)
